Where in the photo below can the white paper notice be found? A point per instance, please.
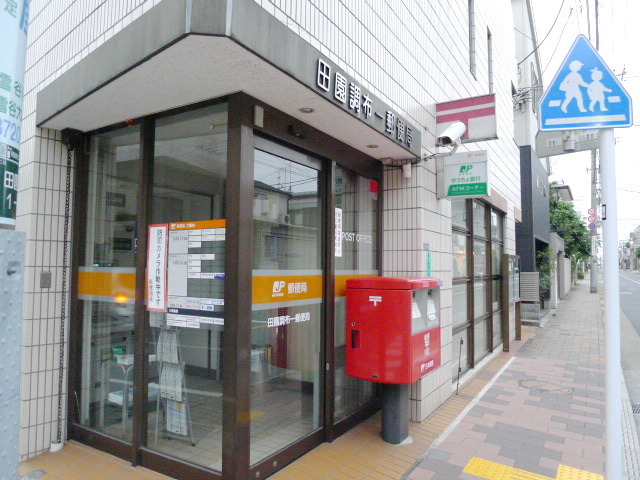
(157, 268)
(338, 239)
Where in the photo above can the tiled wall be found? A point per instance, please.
(414, 54)
(61, 32)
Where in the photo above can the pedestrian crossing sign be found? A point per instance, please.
(584, 94)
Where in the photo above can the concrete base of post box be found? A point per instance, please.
(395, 413)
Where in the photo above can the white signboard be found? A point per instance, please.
(195, 276)
(338, 239)
(14, 19)
(157, 268)
(466, 175)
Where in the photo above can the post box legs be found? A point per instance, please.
(395, 413)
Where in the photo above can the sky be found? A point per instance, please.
(619, 37)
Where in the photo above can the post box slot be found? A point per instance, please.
(355, 338)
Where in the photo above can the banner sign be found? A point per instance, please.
(467, 175)
(157, 268)
(14, 19)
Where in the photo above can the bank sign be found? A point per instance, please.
(467, 175)
(14, 19)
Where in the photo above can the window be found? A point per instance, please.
(472, 38)
(477, 280)
(490, 59)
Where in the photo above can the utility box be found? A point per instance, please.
(393, 328)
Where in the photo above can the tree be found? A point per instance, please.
(566, 223)
(637, 252)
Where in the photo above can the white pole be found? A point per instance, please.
(613, 395)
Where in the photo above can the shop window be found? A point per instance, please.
(459, 214)
(480, 227)
(355, 254)
(481, 339)
(106, 283)
(460, 299)
(459, 257)
(480, 298)
(185, 342)
(287, 299)
(480, 258)
(481, 273)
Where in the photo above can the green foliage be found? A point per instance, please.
(545, 265)
(637, 252)
(566, 223)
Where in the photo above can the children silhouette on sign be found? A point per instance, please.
(596, 90)
(571, 86)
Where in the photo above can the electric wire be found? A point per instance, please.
(545, 37)
(558, 42)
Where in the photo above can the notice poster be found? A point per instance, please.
(338, 238)
(195, 266)
(157, 268)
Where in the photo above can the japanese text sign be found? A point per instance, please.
(14, 20)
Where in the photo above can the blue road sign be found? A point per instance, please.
(584, 94)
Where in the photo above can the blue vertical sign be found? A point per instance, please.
(14, 21)
(584, 94)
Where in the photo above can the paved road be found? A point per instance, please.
(630, 297)
(630, 334)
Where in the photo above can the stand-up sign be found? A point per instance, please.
(14, 19)
(467, 175)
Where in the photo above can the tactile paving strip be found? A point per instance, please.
(496, 471)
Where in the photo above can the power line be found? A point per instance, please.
(558, 43)
(545, 37)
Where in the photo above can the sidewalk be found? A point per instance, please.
(537, 409)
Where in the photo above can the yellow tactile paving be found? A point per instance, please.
(570, 473)
(497, 471)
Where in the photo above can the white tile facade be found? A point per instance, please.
(412, 54)
(60, 34)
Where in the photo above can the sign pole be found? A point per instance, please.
(613, 395)
(593, 286)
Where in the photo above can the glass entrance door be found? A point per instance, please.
(287, 300)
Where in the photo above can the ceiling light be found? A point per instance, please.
(306, 110)
(372, 146)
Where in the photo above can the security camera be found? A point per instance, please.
(451, 135)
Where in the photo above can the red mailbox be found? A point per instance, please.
(393, 328)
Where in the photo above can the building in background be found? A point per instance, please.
(533, 232)
(260, 144)
(627, 251)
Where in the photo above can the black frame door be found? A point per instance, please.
(238, 292)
